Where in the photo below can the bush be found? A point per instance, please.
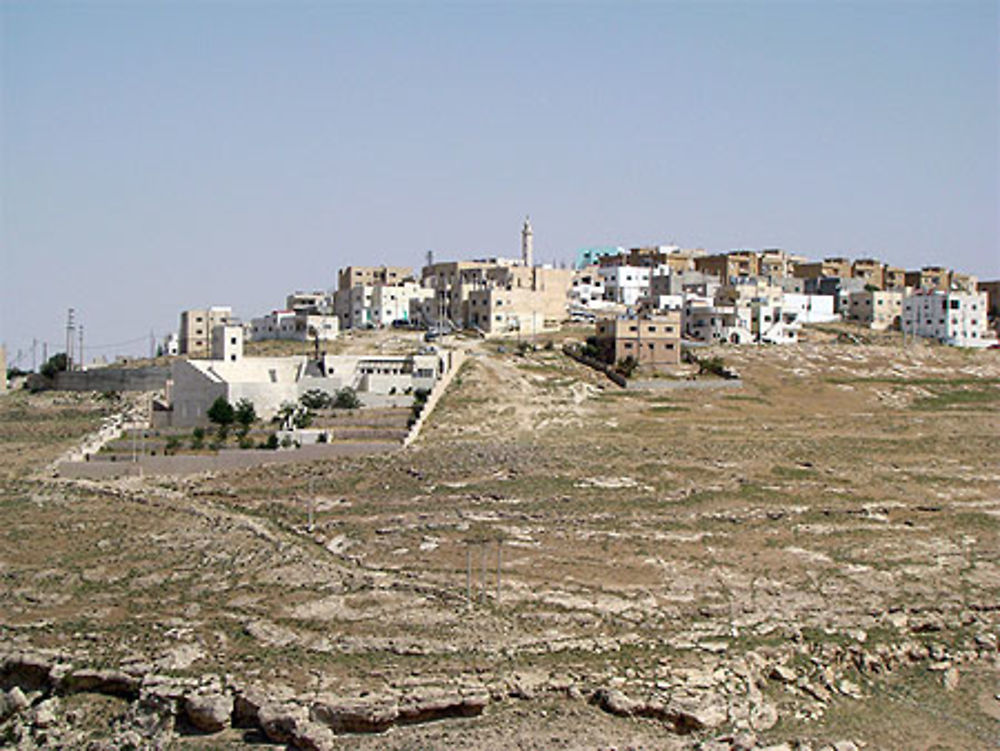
(271, 442)
(197, 438)
(222, 413)
(347, 398)
(322, 437)
(245, 414)
(712, 365)
(627, 366)
(246, 442)
(316, 399)
(286, 442)
(173, 444)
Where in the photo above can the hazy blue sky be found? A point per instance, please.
(162, 156)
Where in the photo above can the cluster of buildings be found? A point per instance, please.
(271, 382)
(739, 297)
(767, 296)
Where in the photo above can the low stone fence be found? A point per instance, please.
(455, 360)
(667, 384)
(223, 460)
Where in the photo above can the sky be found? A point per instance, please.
(161, 156)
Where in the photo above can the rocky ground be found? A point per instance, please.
(811, 561)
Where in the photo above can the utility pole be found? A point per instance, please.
(70, 328)
(80, 354)
(34, 355)
(152, 344)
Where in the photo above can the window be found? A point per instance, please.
(954, 304)
(232, 358)
(232, 340)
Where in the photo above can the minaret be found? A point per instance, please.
(527, 244)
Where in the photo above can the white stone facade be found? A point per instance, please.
(955, 318)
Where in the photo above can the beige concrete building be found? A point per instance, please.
(878, 310)
(370, 276)
(538, 300)
(870, 271)
(929, 278)
(775, 264)
(838, 267)
(195, 335)
(893, 277)
(652, 342)
(725, 266)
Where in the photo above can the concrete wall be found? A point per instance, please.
(224, 460)
(113, 379)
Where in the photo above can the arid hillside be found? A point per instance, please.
(812, 559)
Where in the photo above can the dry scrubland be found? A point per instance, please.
(812, 559)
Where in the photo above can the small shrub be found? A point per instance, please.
(173, 444)
(322, 437)
(197, 438)
(286, 442)
(246, 442)
(627, 366)
(316, 399)
(271, 442)
(712, 365)
(347, 398)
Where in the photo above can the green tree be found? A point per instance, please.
(245, 414)
(222, 414)
(55, 364)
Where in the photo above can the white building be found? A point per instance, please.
(353, 307)
(171, 345)
(299, 326)
(587, 290)
(772, 324)
(309, 302)
(810, 308)
(270, 382)
(705, 322)
(626, 284)
(955, 318)
(392, 303)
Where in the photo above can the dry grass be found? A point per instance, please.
(841, 483)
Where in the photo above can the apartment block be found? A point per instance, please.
(955, 318)
(370, 276)
(726, 266)
(879, 310)
(196, 326)
(870, 271)
(838, 267)
(653, 341)
(309, 302)
(929, 278)
(893, 277)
